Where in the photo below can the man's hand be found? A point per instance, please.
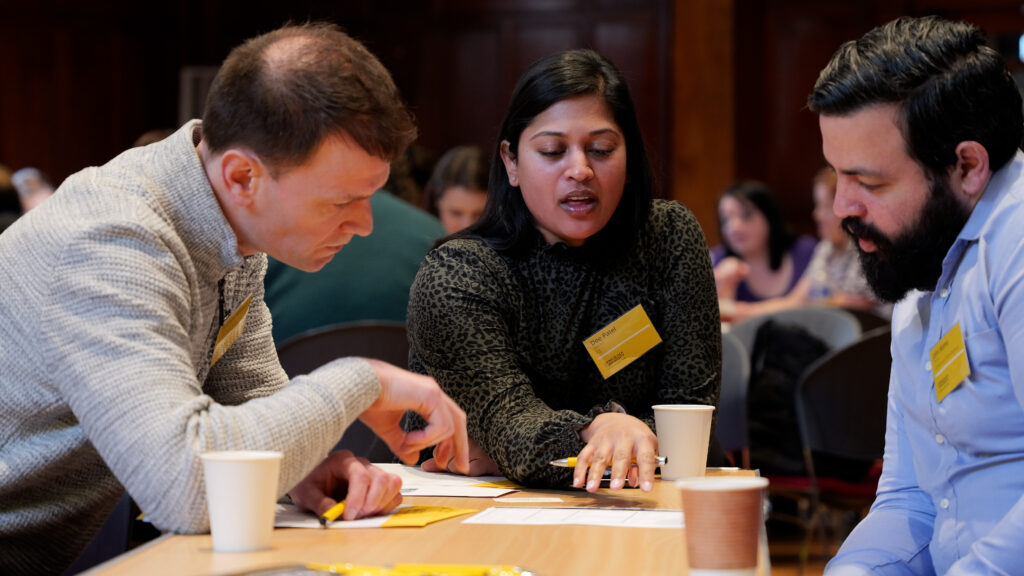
(366, 489)
(402, 390)
(480, 464)
(616, 439)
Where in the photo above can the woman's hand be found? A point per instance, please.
(616, 439)
(728, 274)
(480, 464)
(366, 489)
(850, 300)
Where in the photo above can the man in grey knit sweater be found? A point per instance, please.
(118, 365)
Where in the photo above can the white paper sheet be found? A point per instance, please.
(417, 482)
(527, 500)
(531, 515)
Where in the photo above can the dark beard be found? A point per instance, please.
(913, 260)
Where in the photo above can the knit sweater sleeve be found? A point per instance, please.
(117, 336)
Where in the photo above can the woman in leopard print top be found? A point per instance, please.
(569, 241)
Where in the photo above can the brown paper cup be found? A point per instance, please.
(723, 518)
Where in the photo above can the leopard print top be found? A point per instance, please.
(504, 336)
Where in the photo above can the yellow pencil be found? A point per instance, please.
(332, 514)
(571, 462)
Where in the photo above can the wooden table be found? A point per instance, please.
(545, 550)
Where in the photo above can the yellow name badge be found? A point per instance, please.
(618, 344)
(230, 331)
(949, 362)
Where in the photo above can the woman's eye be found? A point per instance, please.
(602, 151)
(551, 153)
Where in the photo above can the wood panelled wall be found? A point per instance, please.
(720, 85)
(780, 48)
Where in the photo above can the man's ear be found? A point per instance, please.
(511, 166)
(241, 173)
(971, 170)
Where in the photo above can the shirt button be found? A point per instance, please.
(940, 439)
(944, 503)
(928, 367)
(944, 293)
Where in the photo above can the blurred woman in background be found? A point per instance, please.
(759, 258)
(457, 189)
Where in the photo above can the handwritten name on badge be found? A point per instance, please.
(618, 344)
(949, 362)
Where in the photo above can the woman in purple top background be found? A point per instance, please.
(759, 257)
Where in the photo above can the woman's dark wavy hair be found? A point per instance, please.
(506, 223)
(760, 196)
(949, 85)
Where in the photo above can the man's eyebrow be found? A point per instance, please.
(858, 171)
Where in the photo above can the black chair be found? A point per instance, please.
(309, 350)
(731, 428)
(113, 539)
(841, 408)
(834, 326)
(869, 319)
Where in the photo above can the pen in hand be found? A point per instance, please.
(571, 462)
(332, 514)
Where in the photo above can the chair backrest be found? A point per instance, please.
(731, 427)
(834, 326)
(869, 319)
(309, 350)
(842, 398)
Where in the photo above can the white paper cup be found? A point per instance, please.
(723, 517)
(684, 431)
(241, 488)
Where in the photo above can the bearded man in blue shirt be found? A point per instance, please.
(922, 122)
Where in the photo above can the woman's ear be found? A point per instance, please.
(511, 166)
(971, 172)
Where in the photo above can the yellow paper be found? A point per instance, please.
(949, 362)
(230, 331)
(419, 516)
(508, 484)
(618, 344)
(455, 570)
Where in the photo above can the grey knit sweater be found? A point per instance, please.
(109, 308)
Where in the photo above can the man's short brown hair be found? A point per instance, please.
(282, 93)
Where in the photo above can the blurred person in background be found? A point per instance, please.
(151, 136)
(759, 257)
(33, 187)
(457, 189)
(10, 205)
(833, 277)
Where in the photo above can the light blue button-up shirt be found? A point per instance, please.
(951, 496)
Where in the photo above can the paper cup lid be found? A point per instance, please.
(722, 483)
